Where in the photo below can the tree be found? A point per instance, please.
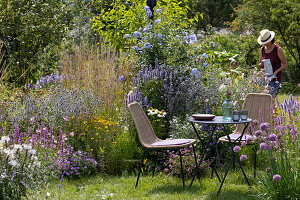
(27, 27)
(215, 13)
(281, 16)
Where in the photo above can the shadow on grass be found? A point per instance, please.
(232, 194)
(175, 189)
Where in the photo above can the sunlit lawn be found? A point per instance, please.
(160, 186)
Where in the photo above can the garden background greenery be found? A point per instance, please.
(68, 70)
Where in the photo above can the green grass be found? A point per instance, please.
(160, 187)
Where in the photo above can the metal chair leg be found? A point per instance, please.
(140, 169)
(182, 174)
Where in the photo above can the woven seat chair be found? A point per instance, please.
(150, 141)
(258, 106)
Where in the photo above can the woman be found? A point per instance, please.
(274, 52)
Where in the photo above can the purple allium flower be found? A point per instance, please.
(265, 146)
(272, 137)
(213, 44)
(258, 133)
(205, 65)
(158, 11)
(243, 157)
(236, 149)
(276, 178)
(134, 48)
(264, 127)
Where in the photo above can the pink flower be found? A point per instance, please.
(236, 149)
(72, 134)
(66, 119)
(243, 157)
(276, 178)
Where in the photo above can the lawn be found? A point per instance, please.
(160, 186)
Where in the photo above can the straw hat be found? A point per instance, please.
(265, 36)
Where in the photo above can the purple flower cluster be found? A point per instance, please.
(52, 78)
(243, 157)
(144, 75)
(59, 156)
(236, 149)
(276, 178)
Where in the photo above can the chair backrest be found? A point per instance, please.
(143, 125)
(258, 105)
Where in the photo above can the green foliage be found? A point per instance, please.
(26, 29)
(214, 13)
(120, 18)
(281, 16)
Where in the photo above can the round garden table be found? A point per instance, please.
(213, 142)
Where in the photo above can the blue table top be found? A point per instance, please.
(219, 120)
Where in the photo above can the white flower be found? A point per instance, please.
(32, 151)
(27, 146)
(37, 164)
(18, 146)
(223, 74)
(47, 194)
(14, 163)
(162, 114)
(4, 139)
(152, 112)
(236, 82)
(223, 88)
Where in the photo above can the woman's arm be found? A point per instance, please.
(283, 60)
(261, 63)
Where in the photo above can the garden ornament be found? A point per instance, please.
(151, 4)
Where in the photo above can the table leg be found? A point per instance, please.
(204, 151)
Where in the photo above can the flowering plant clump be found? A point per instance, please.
(172, 164)
(158, 121)
(20, 169)
(280, 147)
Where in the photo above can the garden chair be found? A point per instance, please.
(259, 107)
(151, 142)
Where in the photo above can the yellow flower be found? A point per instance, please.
(92, 149)
(92, 138)
(96, 134)
(83, 133)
